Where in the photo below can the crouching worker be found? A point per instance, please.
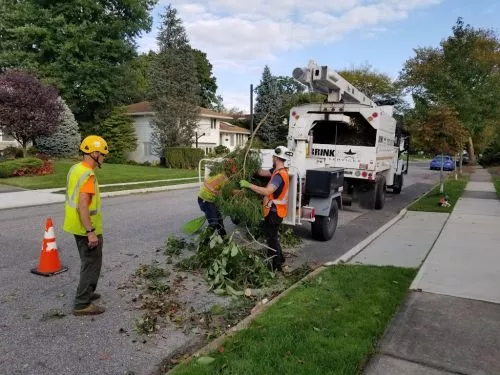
(209, 191)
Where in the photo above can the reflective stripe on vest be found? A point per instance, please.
(281, 202)
(213, 184)
(77, 176)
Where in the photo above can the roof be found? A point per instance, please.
(230, 128)
(142, 108)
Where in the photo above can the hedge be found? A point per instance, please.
(9, 167)
(183, 157)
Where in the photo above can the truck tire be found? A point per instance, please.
(324, 227)
(367, 195)
(380, 193)
(398, 184)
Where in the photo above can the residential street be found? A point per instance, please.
(135, 226)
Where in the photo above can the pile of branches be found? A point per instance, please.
(243, 206)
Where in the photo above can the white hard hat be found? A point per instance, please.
(281, 152)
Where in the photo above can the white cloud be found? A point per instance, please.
(244, 35)
(238, 100)
(258, 30)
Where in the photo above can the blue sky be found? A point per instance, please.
(241, 37)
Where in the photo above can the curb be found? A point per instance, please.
(149, 190)
(111, 194)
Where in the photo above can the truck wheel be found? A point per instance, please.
(324, 227)
(398, 186)
(380, 193)
(367, 195)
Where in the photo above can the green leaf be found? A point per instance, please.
(205, 360)
(234, 250)
(231, 290)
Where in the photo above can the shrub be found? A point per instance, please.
(221, 150)
(118, 131)
(20, 167)
(183, 157)
(12, 152)
(66, 140)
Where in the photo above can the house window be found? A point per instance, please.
(213, 123)
(147, 149)
(232, 139)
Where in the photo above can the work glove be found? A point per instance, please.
(244, 184)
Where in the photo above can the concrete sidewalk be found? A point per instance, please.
(450, 323)
(30, 198)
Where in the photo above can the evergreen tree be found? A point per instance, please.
(269, 100)
(118, 131)
(174, 87)
(66, 140)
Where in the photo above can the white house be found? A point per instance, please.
(211, 132)
(6, 141)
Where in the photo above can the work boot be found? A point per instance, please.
(95, 296)
(89, 310)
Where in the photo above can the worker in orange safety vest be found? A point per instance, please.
(275, 202)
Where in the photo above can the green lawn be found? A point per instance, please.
(328, 325)
(496, 181)
(109, 174)
(429, 203)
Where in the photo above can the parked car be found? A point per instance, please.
(447, 160)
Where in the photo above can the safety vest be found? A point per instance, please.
(281, 202)
(77, 176)
(211, 187)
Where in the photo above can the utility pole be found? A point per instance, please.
(251, 108)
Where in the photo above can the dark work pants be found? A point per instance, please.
(90, 269)
(213, 216)
(272, 224)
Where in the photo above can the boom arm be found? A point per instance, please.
(327, 81)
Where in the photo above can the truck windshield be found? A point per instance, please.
(359, 133)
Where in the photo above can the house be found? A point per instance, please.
(211, 132)
(6, 141)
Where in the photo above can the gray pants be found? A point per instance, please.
(90, 269)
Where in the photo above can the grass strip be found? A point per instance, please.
(430, 202)
(327, 325)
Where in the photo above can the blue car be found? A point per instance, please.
(448, 163)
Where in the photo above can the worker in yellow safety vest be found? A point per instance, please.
(275, 202)
(83, 219)
(209, 191)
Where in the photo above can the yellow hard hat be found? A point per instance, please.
(94, 143)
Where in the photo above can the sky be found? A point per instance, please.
(241, 37)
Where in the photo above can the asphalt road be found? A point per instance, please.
(135, 226)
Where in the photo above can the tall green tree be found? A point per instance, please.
(118, 131)
(79, 46)
(269, 101)
(174, 87)
(461, 73)
(206, 80)
(378, 86)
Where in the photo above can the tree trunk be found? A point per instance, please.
(441, 175)
(25, 149)
(472, 155)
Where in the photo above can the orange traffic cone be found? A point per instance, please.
(49, 257)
